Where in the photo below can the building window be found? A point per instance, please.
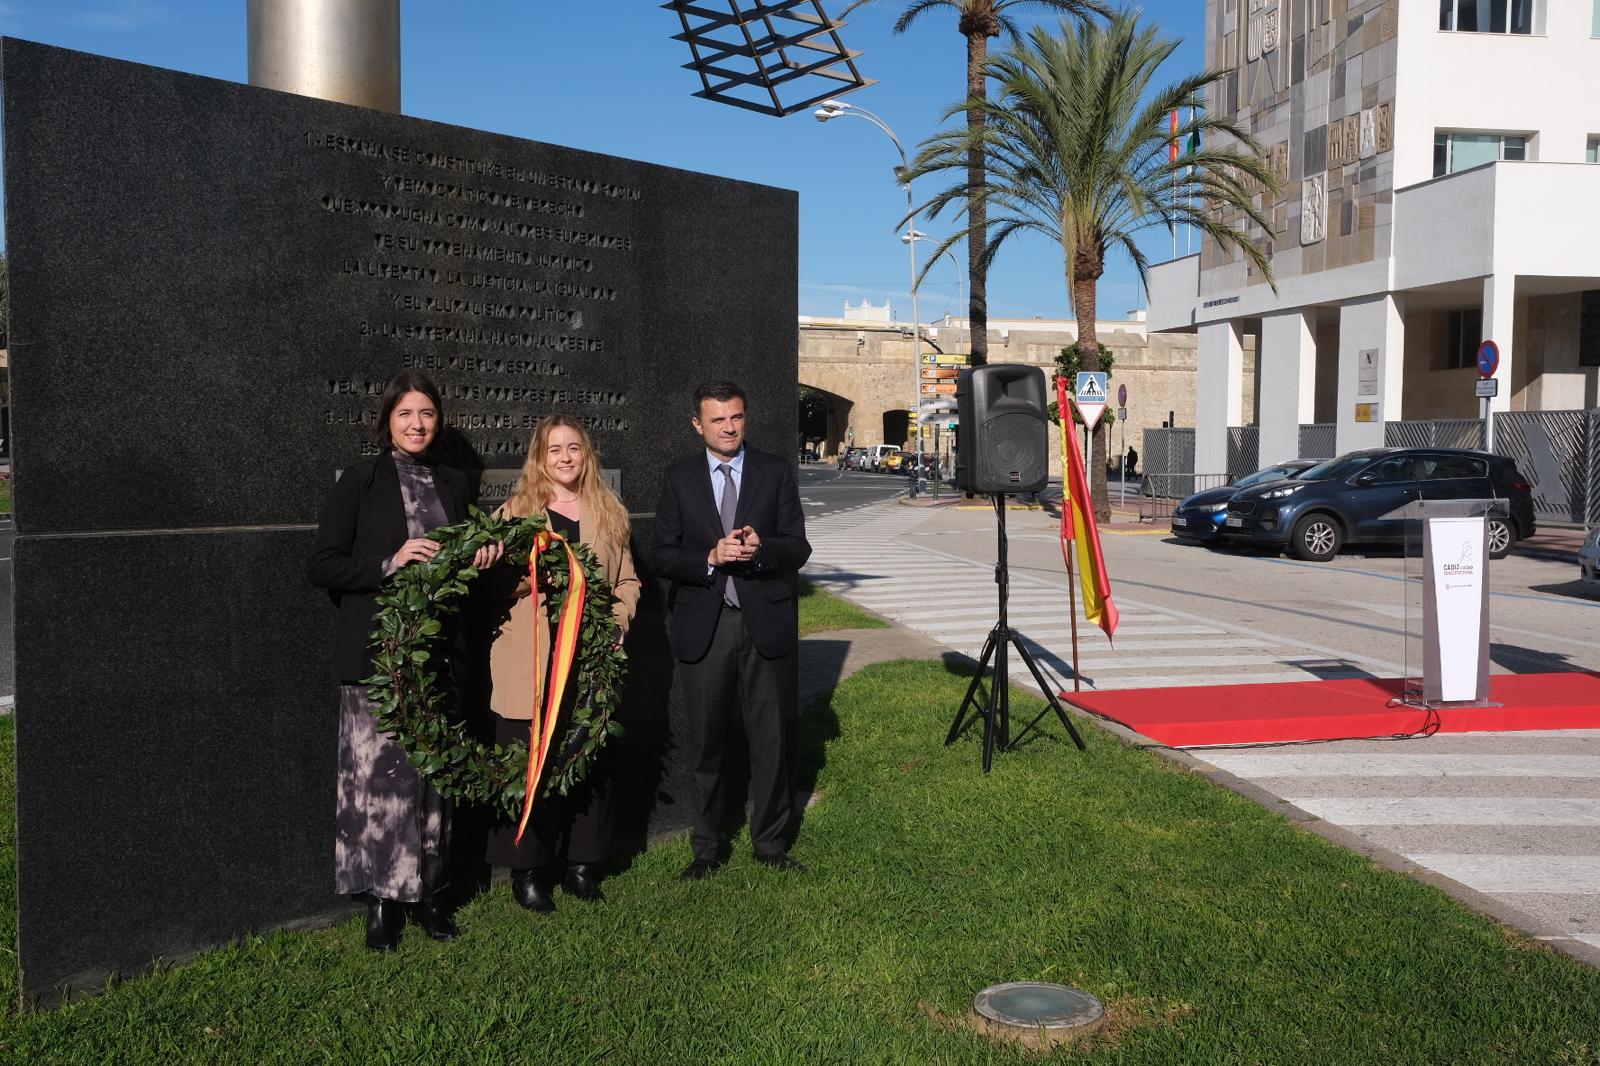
(1466, 333)
(1589, 329)
(1460, 151)
(1486, 16)
(1592, 153)
(1594, 30)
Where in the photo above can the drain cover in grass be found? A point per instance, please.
(1035, 1012)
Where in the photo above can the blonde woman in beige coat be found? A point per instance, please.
(568, 837)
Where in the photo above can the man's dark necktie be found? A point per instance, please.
(727, 508)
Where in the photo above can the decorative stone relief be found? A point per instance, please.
(1278, 162)
(1369, 133)
(1313, 207)
(1335, 144)
(1252, 40)
(1385, 124)
(1352, 138)
(1270, 26)
(1390, 24)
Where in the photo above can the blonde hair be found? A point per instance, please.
(605, 520)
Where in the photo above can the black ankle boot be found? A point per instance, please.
(432, 919)
(385, 919)
(531, 888)
(583, 881)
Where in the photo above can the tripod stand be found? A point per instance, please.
(996, 710)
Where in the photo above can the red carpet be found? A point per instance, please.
(1328, 710)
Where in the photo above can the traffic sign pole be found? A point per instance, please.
(1488, 363)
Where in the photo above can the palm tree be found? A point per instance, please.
(1077, 148)
(979, 20)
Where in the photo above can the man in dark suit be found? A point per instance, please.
(731, 536)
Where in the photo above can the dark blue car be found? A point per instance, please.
(1345, 500)
(1200, 516)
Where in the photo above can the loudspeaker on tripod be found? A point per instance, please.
(1005, 429)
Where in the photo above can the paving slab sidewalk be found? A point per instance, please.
(828, 658)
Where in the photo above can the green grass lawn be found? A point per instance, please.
(1216, 932)
(5, 496)
(822, 611)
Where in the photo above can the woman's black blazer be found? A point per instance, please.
(363, 525)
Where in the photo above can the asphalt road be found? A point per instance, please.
(825, 488)
(1509, 821)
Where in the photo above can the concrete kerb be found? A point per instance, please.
(896, 642)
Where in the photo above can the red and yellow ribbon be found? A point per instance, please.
(564, 651)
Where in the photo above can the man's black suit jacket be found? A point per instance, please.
(688, 525)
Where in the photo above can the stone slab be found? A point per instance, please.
(209, 285)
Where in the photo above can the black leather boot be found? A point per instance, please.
(531, 888)
(385, 919)
(427, 914)
(583, 881)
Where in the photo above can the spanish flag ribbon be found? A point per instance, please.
(1078, 525)
(564, 652)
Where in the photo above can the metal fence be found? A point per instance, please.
(1244, 451)
(1558, 452)
(1435, 433)
(1317, 440)
(1160, 493)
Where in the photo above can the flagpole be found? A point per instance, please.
(1072, 610)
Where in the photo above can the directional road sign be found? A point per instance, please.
(1090, 396)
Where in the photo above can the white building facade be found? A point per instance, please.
(1439, 186)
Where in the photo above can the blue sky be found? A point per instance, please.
(605, 75)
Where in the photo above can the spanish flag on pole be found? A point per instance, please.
(1172, 145)
(1077, 523)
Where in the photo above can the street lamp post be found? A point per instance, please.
(831, 109)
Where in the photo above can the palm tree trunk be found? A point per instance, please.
(977, 206)
(1085, 276)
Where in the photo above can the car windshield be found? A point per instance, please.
(1336, 469)
(1271, 473)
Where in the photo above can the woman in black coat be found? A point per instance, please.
(393, 827)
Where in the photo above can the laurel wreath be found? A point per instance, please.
(419, 709)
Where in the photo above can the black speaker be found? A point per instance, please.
(1005, 429)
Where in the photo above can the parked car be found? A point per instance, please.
(876, 454)
(1346, 500)
(849, 458)
(896, 462)
(1199, 517)
(1589, 556)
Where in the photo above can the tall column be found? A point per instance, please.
(1287, 369)
(1499, 312)
(1372, 336)
(344, 50)
(1218, 394)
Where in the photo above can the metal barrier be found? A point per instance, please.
(1557, 452)
(1244, 451)
(1318, 440)
(1160, 493)
(1434, 433)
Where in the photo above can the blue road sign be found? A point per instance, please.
(1091, 388)
(1488, 359)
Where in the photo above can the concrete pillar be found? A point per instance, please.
(1372, 336)
(344, 50)
(1286, 367)
(1218, 394)
(1499, 316)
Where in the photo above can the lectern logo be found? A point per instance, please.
(1465, 566)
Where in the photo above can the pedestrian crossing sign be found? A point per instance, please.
(1090, 396)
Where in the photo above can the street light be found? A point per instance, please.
(948, 254)
(831, 109)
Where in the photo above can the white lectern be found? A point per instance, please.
(1455, 599)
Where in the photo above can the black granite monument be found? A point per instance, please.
(210, 284)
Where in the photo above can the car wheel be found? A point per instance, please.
(1502, 535)
(1316, 538)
